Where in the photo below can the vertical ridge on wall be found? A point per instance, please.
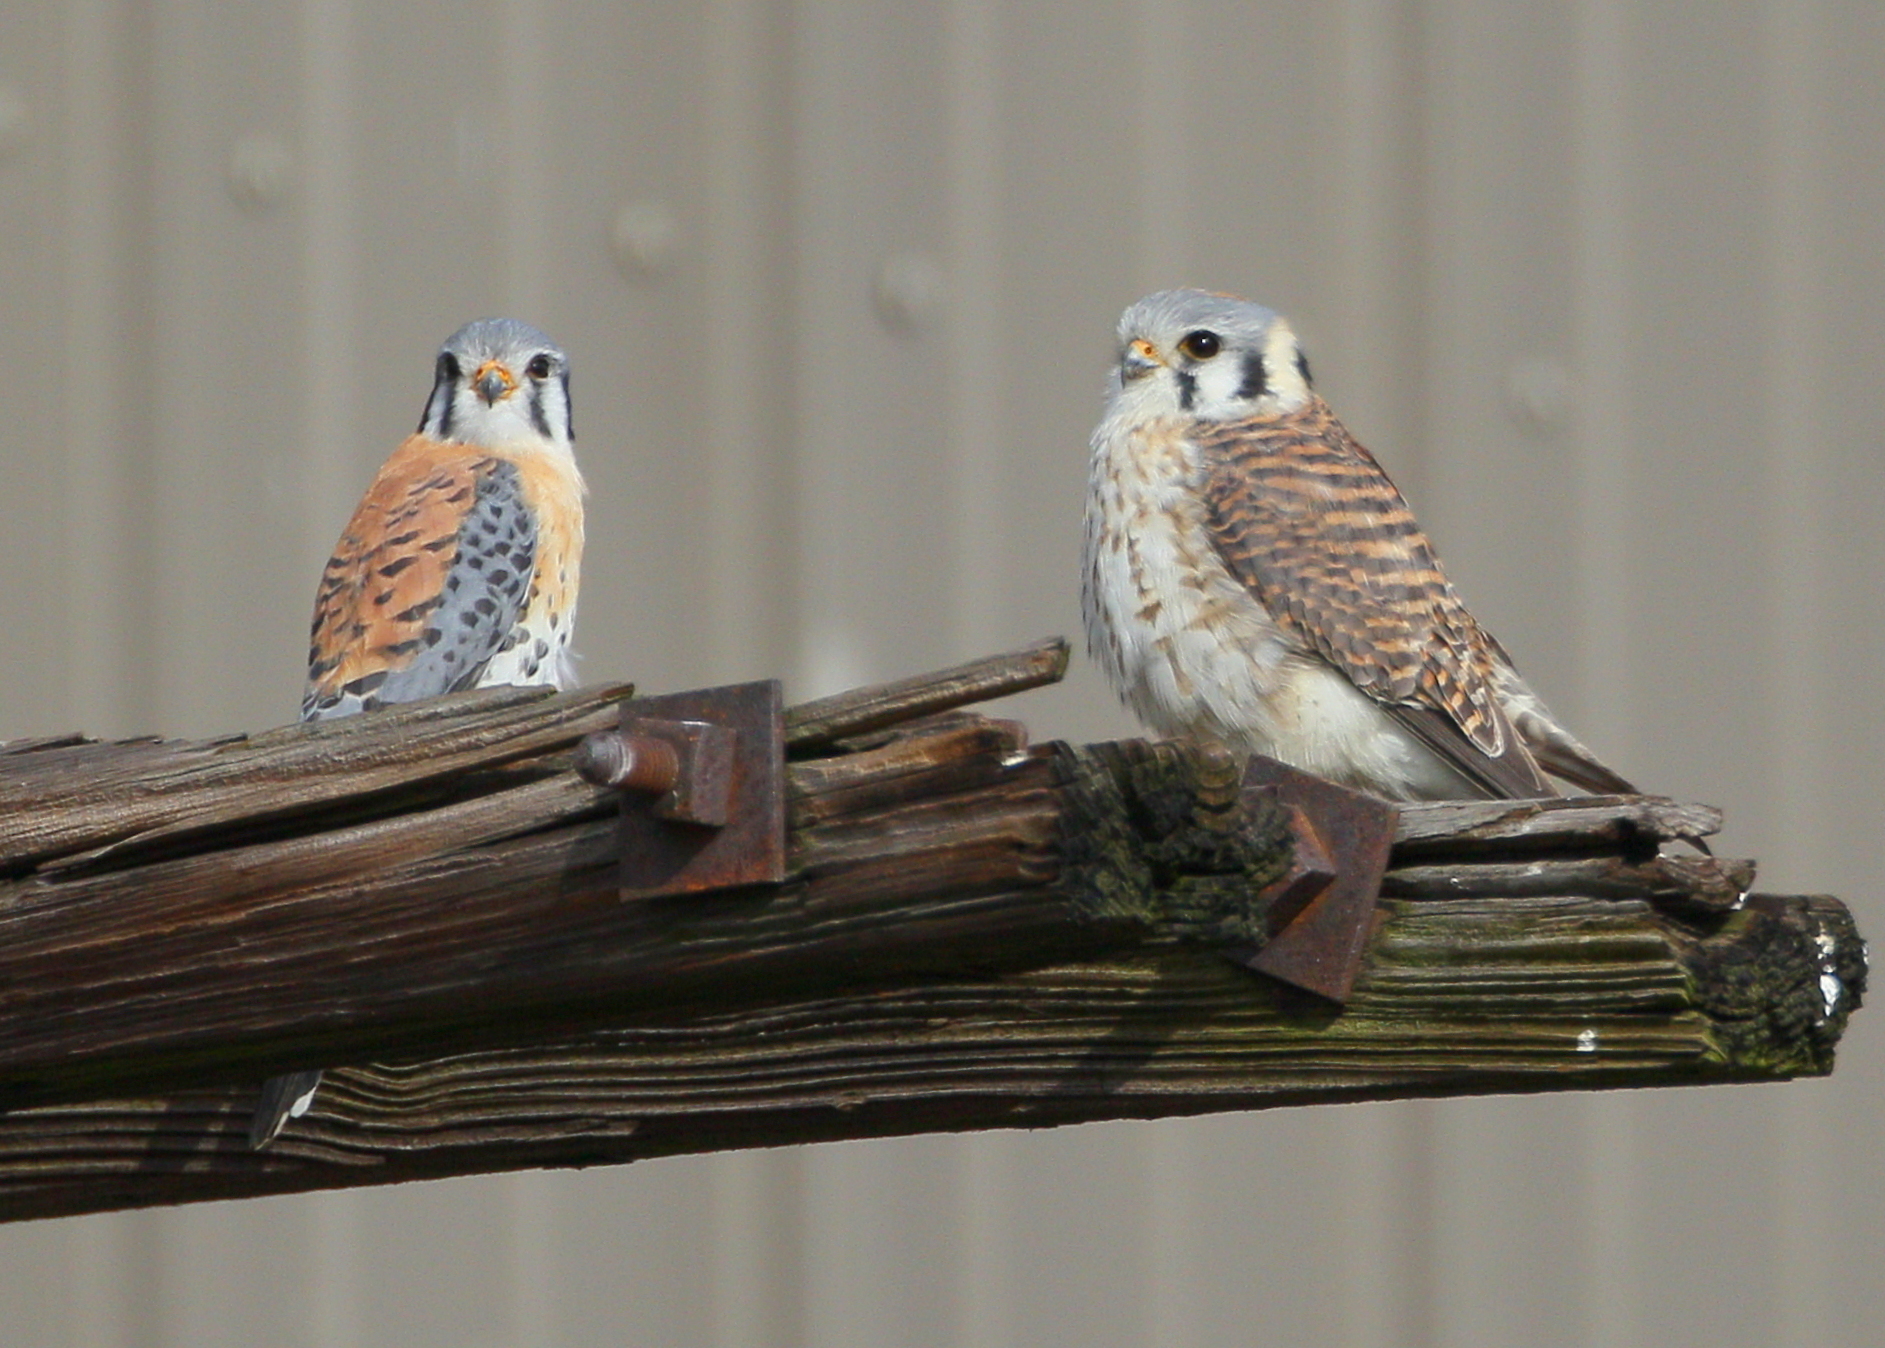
(523, 73)
(330, 423)
(1374, 205)
(330, 410)
(1793, 171)
(750, 413)
(1600, 319)
(532, 1272)
(1603, 703)
(978, 335)
(1794, 168)
(529, 134)
(983, 1308)
(983, 342)
(103, 458)
(1162, 172)
(757, 1200)
(1384, 1204)
(335, 1241)
(109, 1272)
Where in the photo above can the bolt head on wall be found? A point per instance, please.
(259, 171)
(909, 291)
(645, 239)
(1538, 394)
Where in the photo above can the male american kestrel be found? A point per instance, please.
(460, 565)
(1252, 577)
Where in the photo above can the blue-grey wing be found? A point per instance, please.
(425, 592)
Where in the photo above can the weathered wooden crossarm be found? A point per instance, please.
(1458, 997)
(973, 933)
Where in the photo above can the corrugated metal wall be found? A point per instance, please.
(1600, 282)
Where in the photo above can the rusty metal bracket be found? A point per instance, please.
(703, 788)
(1321, 913)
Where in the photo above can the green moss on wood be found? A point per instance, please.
(1157, 833)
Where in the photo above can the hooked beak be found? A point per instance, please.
(1139, 359)
(493, 382)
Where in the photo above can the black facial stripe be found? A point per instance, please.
(1187, 388)
(569, 417)
(1302, 364)
(537, 417)
(1256, 377)
(445, 374)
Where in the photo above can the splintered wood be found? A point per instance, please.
(975, 932)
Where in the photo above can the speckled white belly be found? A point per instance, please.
(1194, 654)
(534, 653)
(537, 648)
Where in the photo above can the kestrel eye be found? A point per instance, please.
(1200, 345)
(448, 365)
(539, 367)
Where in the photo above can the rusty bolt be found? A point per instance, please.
(632, 762)
(1219, 775)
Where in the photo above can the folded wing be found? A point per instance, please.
(1306, 519)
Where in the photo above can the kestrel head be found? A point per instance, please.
(500, 383)
(1199, 354)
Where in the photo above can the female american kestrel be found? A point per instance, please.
(459, 568)
(1252, 577)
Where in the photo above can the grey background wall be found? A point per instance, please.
(1599, 281)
